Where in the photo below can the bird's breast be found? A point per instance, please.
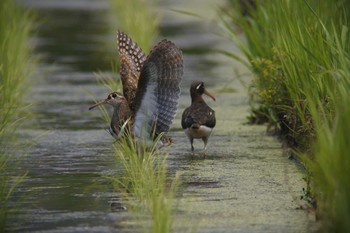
(199, 132)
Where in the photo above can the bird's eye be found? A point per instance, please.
(201, 85)
(114, 95)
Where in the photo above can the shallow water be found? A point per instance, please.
(242, 183)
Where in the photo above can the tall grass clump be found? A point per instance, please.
(331, 168)
(299, 53)
(15, 63)
(331, 163)
(145, 182)
(15, 69)
(277, 36)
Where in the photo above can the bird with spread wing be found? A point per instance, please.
(151, 89)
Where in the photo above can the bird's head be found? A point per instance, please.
(198, 89)
(114, 99)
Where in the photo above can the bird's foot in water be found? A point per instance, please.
(166, 141)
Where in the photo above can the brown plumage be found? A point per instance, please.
(198, 120)
(150, 89)
(131, 62)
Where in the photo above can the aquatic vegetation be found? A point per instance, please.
(16, 67)
(299, 53)
(145, 181)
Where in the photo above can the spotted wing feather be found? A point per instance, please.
(198, 114)
(158, 90)
(131, 61)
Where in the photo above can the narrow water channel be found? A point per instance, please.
(242, 184)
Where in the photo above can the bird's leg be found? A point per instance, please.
(191, 140)
(205, 140)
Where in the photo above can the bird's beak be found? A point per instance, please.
(209, 94)
(97, 104)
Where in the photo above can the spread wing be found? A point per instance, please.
(131, 61)
(158, 90)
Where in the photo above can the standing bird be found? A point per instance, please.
(151, 90)
(198, 120)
